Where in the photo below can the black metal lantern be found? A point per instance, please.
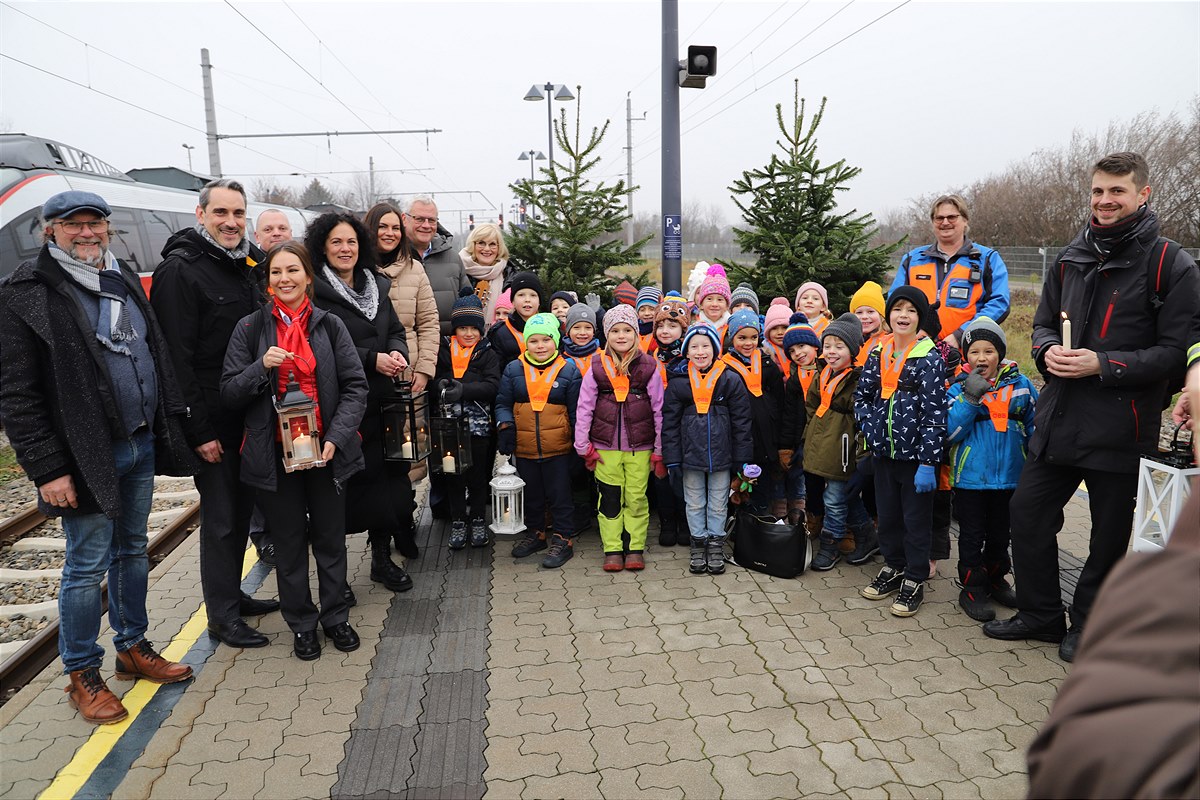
(298, 428)
(451, 440)
(405, 424)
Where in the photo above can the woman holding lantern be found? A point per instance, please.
(294, 368)
(348, 286)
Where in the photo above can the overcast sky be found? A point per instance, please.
(929, 97)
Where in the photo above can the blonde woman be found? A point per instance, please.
(485, 258)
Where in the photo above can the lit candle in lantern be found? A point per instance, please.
(1066, 331)
(304, 448)
(449, 464)
(407, 450)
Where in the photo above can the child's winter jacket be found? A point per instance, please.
(981, 455)
(911, 424)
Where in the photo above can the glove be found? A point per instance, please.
(785, 459)
(974, 387)
(660, 469)
(925, 479)
(593, 300)
(591, 458)
(506, 440)
(452, 390)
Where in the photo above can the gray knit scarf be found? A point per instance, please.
(237, 254)
(367, 301)
(114, 327)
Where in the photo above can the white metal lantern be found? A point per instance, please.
(1163, 489)
(298, 429)
(508, 501)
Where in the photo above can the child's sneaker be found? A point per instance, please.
(886, 584)
(561, 550)
(697, 558)
(532, 543)
(458, 535)
(909, 599)
(828, 555)
(715, 547)
(479, 533)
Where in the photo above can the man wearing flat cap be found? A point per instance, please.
(89, 400)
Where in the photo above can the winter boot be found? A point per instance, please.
(816, 523)
(683, 531)
(974, 595)
(779, 508)
(866, 544)
(828, 555)
(697, 558)
(846, 545)
(715, 554)
(666, 530)
(999, 587)
(795, 512)
(385, 571)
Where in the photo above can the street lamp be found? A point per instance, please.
(558, 92)
(189, 148)
(531, 156)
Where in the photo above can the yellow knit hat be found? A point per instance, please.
(871, 294)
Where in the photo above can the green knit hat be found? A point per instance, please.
(545, 324)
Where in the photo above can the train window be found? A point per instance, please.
(20, 240)
(158, 227)
(125, 240)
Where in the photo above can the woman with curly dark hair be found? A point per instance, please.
(349, 287)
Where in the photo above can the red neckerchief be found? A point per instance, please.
(293, 337)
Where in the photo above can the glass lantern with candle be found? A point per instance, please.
(405, 417)
(508, 501)
(451, 441)
(298, 428)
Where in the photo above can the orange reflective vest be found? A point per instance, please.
(958, 294)
(540, 380)
(828, 385)
(703, 386)
(516, 334)
(865, 353)
(751, 375)
(647, 343)
(997, 402)
(460, 357)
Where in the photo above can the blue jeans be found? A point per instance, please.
(96, 545)
(706, 496)
(843, 507)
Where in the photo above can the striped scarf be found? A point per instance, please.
(114, 327)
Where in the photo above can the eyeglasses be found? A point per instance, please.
(952, 218)
(423, 220)
(71, 226)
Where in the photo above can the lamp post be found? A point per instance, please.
(189, 148)
(558, 92)
(531, 156)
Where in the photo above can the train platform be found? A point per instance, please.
(495, 678)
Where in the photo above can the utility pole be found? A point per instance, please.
(371, 173)
(210, 115)
(672, 205)
(629, 120)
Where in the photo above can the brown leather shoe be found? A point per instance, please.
(140, 661)
(96, 703)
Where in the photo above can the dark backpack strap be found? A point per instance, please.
(1158, 278)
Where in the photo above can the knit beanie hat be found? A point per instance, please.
(696, 278)
(742, 318)
(467, 311)
(913, 295)
(703, 330)
(527, 280)
(816, 287)
(800, 332)
(715, 282)
(580, 312)
(744, 294)
(648, 296)
(870, 294)
(985, 329)
(545, 324)
(778, 313)
(847, 328)
(617, 314)
(674, 308)
(625, 293)
(568, 297)
(504, 300)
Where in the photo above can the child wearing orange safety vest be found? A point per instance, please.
(868, 305)
(801, 344)
(648, 299)
(812, 300)
(670, 322)
(712, 300)
(764, 382)
(535, 416)
(507, 335)
(579, 344)
(775, 324)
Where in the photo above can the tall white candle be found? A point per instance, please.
(1066, 331)
(407, 450)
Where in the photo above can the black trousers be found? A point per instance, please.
(469, 493)
(225, 507)
(983, 530)
(548, 491)
(307, 511)
(939, 544)
(668, 497)
(1037, 517)
(814, 489)
(905, 518)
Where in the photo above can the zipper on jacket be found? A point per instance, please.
(1108, 314)
(537, 431)
(1137, 427)
(962, 463)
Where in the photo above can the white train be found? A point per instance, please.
(32, 170)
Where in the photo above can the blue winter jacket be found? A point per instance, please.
(982, 457)
(911, 424)
(714, 442)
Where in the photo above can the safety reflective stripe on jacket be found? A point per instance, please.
(957, 281)
(996, 402)
(539, 380)
(751, 374)
(460, 358)
(646, 342)
(516, 334)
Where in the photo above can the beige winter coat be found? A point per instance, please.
(412, 297)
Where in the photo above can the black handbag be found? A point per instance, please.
(769, 546)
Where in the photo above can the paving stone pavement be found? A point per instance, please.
(495, 678)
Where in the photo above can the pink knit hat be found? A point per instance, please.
(778, 313)
(818, 288)
(715, 282)
(503, 301)
(618, 314)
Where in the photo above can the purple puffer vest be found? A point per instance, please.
(634, 418)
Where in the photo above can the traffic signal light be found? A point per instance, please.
(700, 65)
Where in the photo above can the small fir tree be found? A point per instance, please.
(793, 223)
(578, 235)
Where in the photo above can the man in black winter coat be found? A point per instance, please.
(1133, 310)
(205, 284)
(434, 247)
(88, 397)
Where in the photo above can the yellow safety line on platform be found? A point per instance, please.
(71, 778)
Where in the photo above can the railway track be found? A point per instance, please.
(22, 666)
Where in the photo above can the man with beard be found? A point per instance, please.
(84, 356)
(205, 284)
(1133, 302)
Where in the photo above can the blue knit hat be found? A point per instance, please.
(799, 332)
(467, 312)
(648, 296)
(742, 318)
(703, 329)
